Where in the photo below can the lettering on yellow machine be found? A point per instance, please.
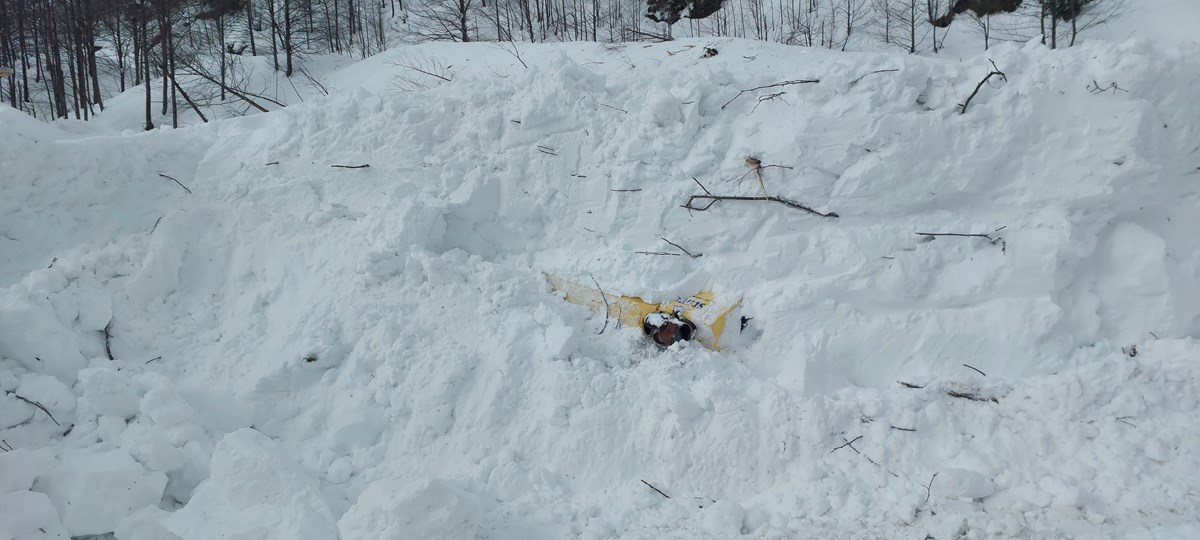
(702, 309)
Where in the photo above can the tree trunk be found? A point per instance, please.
(146, 74)
(250, 27)
(287, 34)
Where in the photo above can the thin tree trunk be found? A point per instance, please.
(146, 66)
(250, 27)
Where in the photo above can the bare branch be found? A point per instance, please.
(995, 71)
(606, 306)
(689, 254)
(775, 85)
(660, 492)
(185, 188)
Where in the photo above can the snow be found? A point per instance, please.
(315, 352)
(94, 491)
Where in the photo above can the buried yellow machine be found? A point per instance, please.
(700, 317)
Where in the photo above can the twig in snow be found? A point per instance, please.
(38, 405)
(609, 106)
(776, 85)
(910, 430)
(660, 492)
(712, 199)
(657, 253)
(975, 368)
(1095, 88)
(621, 190)
(769, 97)
(910, 385)
(929, 488)
(861, 77)
(363, 166)
(5, 446)
(152, 229)
(689, 254)
(991, 239)
(273, 163)
(108, 340)
(1125, 420)
(52, 261)
(546, 150)
(1155, 335)
(185, 188)
(153, 359)
(972, 397)
(701, 185)
(849, 443)
(606, 308)
(995, 71)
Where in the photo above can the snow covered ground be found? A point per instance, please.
(301, 351)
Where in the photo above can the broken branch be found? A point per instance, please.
(910, 385)
(776, 85)
(995, 71)
(849, 443)
(363, 166)
(991, 239)
(108, 340)
(606, 307)
(860, 77)
(689, 254)
(185, 188)
(929, 487)
(660, 492)
(975, 368)
(40, 406)
(712, 199)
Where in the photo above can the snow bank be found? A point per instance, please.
(378, 354)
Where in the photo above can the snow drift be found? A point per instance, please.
(310, 351)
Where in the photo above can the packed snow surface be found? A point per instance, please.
(303, 351)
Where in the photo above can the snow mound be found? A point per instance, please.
(378, 353)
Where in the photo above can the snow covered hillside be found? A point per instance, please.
(214, 332)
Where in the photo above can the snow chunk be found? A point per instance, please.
(963, 484)
(94, 492)
(108, 392)
(145, 524)
(27, 515)
(16, 470)
(431, 509)
(259, 492)
(49, 391)
(95, 310)
(722, 518)
(561, 340)
(31, 333)
(46, 281)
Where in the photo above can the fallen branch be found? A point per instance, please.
(609, 106)
(657, 253)
(991, 239)
(660, 492)
(771, 198)
(363, 166)
(606, 307)
(972, 397)
(910, 385)
(776, 85)
(5, 446)
(1125, 420)
(929, 488)
(860, 77)
(910, 430)
(546, 150)
(995, 71)
(975, 368)
(621, 190)
(153, 359)
(108, 340)
(849, 443)
(689, 254)
(185, 188)
(769, 97)
(40, 406)
(54, 260)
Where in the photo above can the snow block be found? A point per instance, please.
(963, 484)
(145, 524)
(260, 494)
(27, 515)
(16, 470)
(31, 334)
(108, 392)
(55, 396)
(94, 492)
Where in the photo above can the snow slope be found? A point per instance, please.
(309, 352)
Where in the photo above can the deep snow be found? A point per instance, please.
(302, 351)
